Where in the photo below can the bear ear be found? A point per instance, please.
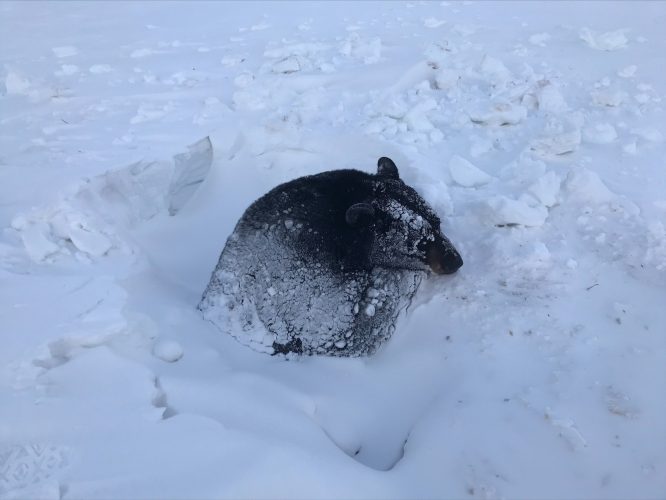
(360, 215)
(386, 168)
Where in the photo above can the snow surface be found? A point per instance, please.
(537, 371)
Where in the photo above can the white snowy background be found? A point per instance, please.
(536, 131)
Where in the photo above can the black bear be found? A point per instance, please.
(325, 263)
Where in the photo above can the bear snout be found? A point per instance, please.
(443, 258)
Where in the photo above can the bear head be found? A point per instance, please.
(403, 230)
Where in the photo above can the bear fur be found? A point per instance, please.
(324, 264)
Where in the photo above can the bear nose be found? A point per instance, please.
(443, 259)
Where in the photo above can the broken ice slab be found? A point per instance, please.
(500, 115)
(190, 170)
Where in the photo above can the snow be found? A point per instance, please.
(129, 149)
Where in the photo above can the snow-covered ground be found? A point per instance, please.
(536, 131)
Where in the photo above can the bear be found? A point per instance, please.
(324, 264)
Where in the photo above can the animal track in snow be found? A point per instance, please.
(30, 470)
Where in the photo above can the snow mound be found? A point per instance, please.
(557, 145)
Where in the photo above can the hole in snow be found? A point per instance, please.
(376, 450)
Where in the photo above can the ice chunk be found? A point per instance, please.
(608, 97)
(539, 39)
(628, 72)
(212, 110)
(369, 51)
(495, 70)
(98, 69)
(433, 22)
(231, 60)
(141, 53)
(464, 29)
(480, 146)
(16, 83)
(508, 212)
(501, 114)
(140, 187)
(649, 134)
(306, 50)
(244, 80)
(540, 252)
(417, 117)
(447, 78)
(600, 133)
(190, 170)
(546, 189)
(587, 186)
(260, 27)
(550, 99)
(290, 64)
(35, 237)
(611, 40)
(466, 174)
(66, 51)
(630, 148)
(150, 111)
(67, 69)
(556, 145)
(88, 239)
(567, 430)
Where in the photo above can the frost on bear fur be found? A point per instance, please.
(324, 264)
